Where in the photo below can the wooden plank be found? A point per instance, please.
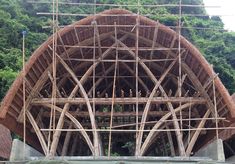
(154, 39)
(121, 100)
(82, 114)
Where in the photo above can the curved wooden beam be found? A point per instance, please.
(158, 124)
(191, 75)
(38, 132)
(170, 106)
(44, 76)
(147, 106)
(197, 132)
(198, 85)
(67, 105)
(76, 123)
(97, 141)
(185, 67)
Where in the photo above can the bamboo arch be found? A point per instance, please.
(86, 54)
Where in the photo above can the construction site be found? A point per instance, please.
(118, 87)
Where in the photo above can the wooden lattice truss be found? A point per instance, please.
(115, 70)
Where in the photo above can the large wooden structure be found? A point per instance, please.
(124, 83)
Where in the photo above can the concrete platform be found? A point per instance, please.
(124, 160)
(211, 154)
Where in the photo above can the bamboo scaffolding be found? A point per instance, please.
(95, 35)
(113, 95)
(142, 26)
(121, 60)
(24, 93)
(216, 112)
(121, 48)
(137, 73)
(132, 15)
(173, 117)
(180, 64)
(134, 131)
(125, 5)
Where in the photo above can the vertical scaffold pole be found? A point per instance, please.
(52, 123)
(24, 96)
(113, 94)
(136, 69)
(94, 69)
(215, 108)
(179, 52)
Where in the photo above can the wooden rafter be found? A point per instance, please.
(139, 79)
(154, 40)
(100, 79)
(97, 36)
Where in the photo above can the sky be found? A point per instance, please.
(225, 8)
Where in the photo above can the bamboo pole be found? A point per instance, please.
(128, 5)
(147, 106)
(137, 73)
(113, 96)
(215, 110)
(38, 132)
(152, 77)
(24, 89)
(76, 123)
(147, 130)
(66, 141)
(197, 132)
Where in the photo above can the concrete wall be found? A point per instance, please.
(214, 150)
(18, 153)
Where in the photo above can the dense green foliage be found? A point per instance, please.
(17, 15)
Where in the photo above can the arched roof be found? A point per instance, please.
(40, 62)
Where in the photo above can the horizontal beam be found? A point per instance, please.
(119, 114)
(126, 100)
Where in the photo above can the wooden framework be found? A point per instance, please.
(117, 72)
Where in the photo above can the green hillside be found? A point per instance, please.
(216, 44)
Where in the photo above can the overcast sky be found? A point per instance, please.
(225, 8)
